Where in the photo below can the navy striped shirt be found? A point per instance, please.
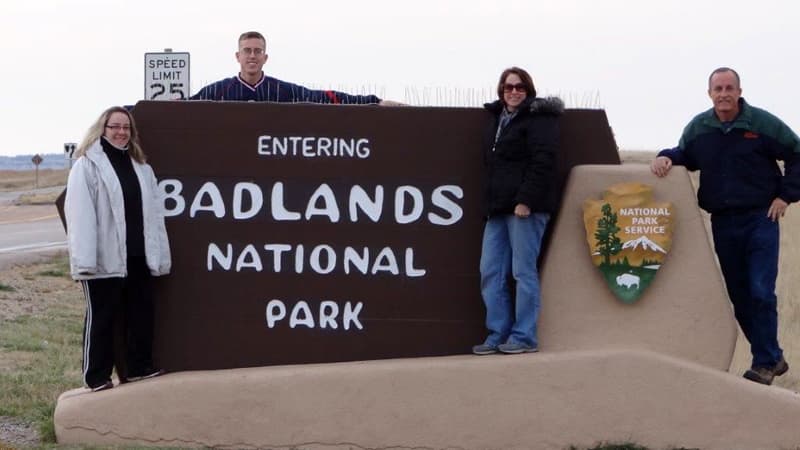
(270, 89)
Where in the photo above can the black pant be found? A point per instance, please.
(106, 298)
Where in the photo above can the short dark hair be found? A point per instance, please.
(251, 35)
(722, 70)
(530, 89)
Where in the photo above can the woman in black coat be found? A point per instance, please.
(519, 155)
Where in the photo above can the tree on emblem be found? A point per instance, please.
(607, 241)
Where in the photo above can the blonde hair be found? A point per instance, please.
(98, 129)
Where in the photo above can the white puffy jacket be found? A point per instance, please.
(95, 214)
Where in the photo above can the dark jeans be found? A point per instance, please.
(747, 246)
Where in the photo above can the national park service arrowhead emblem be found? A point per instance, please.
(629, 235)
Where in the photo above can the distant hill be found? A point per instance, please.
(23, 162)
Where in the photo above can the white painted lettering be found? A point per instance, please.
(298, 259)
(329, 208)
(313, 146)
(346, 148)
(385, 262)
(400, 204)
(256, 200)
(410, 270)
(352, 258)
(276, 311)
(216, 205)
(280, 147)
(278, 250)
(330, 257)
(308, 147)
(279, 212)
(324, 145)
(360, 200)
(442, 201)
(249, 259)
(215, 254)
(362, 148)
(645, 230)
(247, 201)
(351, 316)
(644, 212)
(307, 319)
(263, 145)
(171, 190)
(328, 311)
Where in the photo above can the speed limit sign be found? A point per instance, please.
(166, 76)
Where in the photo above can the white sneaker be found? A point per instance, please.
(152, 373)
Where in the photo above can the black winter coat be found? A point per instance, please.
(520, 166)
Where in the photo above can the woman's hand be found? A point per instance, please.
(522, 210)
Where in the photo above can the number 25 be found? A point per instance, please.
(174, 88)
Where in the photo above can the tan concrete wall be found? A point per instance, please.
(653, 372)
(533, 401)
(685, 312)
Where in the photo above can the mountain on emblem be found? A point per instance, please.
(646, 244)
(629, 236)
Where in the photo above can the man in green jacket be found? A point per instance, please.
(737, 147)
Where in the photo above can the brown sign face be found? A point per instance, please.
(318, 233)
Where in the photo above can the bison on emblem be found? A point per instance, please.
(628, 280)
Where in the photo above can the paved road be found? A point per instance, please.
(28, 233)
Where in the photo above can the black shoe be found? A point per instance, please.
(150, 373)
(107, 385)
(763, 375)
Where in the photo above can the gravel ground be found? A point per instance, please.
(15, 433)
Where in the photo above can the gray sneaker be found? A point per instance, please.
(484, 349)
(513, 348)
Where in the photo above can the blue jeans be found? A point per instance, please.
(747, 246)
(511, 246)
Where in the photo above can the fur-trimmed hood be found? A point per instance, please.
(549, 106)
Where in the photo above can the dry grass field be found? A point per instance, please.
(20, 180)
(788, 290)
(41, 318)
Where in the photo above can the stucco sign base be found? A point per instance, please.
(684, 313)
(541, 401)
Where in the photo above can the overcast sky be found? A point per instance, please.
(644, 62)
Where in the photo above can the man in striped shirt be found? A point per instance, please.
(251, 84)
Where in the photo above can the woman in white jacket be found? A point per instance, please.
(117, 242)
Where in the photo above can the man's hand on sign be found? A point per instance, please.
(391, 103)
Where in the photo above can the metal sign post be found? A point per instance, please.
(36, 160)
(166, 75)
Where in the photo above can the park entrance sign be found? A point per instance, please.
(317, 233)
